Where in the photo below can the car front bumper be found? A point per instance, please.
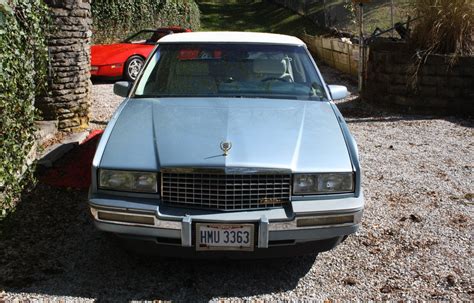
(109, 70)
(300, 222)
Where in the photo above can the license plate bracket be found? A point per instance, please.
(232, 236)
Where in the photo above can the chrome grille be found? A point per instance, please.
(226, 191)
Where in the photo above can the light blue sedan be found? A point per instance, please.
(228, 145)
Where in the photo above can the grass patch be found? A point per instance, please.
(377, 14)
(255, 16)
(265, 16)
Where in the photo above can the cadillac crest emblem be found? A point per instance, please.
(226, 146)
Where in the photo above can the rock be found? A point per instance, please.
(350, 281)
(451, 280)
(386, 289)
(415, 218)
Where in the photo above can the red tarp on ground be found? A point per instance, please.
(74, 168)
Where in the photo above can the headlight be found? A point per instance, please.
(128, 181)
(326, 183)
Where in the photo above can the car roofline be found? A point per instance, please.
(232, 37)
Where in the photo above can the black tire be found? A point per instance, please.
(132, 67)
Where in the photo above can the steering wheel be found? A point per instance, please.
(274, 78)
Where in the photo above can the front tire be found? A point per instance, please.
(133, 67)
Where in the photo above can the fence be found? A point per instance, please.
(336, 53)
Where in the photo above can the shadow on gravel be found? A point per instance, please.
(98, 81)
(358, 111)
(49, 246)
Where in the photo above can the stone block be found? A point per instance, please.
(401, 68)
(81, 13)
(427, 91)
(400, 79)
(70, 123)
(61, 92)
(468, 93)
(459, 82)
(430, 80)
(397, 89)
(45, 130)
(383, 78)
(66, 74)
(67, 98)
(398, 100)
(437, 60)
(467, 70)
(429, 70)
(62, 111)
(68, 34)
(449, 92)
(54, 41)
(454, 71)
(380, 57)
(67, 116)
(437, 102)
(401, 58)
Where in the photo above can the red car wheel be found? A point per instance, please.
(132, 67)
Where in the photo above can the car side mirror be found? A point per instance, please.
(338, 91)
(122, 88)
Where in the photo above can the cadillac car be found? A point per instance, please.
(228, 144)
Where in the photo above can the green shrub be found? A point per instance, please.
(23, 58)
(114, 20)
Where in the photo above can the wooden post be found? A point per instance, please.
(391, 17)
(361, 46)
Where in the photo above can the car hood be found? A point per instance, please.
(109, 53)
(303, 136)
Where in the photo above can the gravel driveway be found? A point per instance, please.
(415, 241)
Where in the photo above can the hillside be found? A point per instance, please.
(265, 16)
(258, 16)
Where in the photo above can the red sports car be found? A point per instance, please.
(125, 59)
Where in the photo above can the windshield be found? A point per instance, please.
(231, 70)
(147, 36)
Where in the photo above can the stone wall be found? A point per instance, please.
(69, 49)
(440, 87)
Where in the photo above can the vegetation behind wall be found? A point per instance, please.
(114, 20)
(23, 58)
(444, 27)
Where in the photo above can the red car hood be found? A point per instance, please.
(102, 54)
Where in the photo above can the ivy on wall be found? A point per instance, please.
(23, 59)
(115, 19)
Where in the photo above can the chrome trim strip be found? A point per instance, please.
(224, 170)
(263, 233)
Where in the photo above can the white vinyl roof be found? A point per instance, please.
(231, 37)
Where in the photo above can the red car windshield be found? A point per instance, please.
(150, 36)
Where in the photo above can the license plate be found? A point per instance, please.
(224, 236)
